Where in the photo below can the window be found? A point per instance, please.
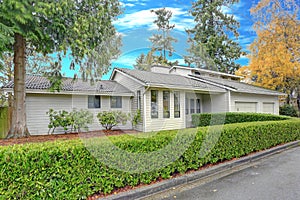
(154, 106)
(94, 102)
(187, 106)
(198, 106)
(166, 104)
(176, 105)
(192, 105)
(139, 99)
(116, 102)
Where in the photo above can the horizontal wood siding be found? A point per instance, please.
(37, 105)
(134, 86)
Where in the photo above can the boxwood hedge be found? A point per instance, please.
(69, 170)
(206, 119)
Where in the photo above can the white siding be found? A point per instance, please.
(164, 123)
(254, 98)
(133, 86)
(38, 104)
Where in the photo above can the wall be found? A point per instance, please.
(134, 86)
(259, 99)
(38, 104)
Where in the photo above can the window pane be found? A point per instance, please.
(187, 106)
(154, 106)
(116, 102)
(198, 106)
(192, 105)
(139, 99)
(94, 102)
(176, 105)
(166, 104)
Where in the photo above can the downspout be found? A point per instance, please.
(229, 101)
(144, 107)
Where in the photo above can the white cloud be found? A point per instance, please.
(144, 18)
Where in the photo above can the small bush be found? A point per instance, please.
(207, 119)
(109, 119)
(73, 121)
(288, 110)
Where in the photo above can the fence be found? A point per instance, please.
(4, 121)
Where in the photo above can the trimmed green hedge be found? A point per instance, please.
(206, 119)
(69, 170)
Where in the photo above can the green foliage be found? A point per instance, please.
(136, 118)
(162, 42)
(211, 46)
(207, 119)
(81, 119)
(4, 122)
(74, 120)
(288, 110)
(109, 119)
(68, 170)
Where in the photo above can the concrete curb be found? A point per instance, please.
(199, 175)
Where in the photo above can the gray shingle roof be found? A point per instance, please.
(169, 80)
(239, 86)
(42, 83)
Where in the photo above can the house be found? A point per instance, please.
(166, 97)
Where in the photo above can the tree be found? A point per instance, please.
(275, 53)
(211, 46)
(144, 62)
(82, 27)
(162, 41)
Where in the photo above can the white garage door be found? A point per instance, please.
(268, 108)
(246, 106)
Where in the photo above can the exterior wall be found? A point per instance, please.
(259, 99)
(38, 104)
(160, 123)
(134, 86)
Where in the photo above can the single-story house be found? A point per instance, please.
(166, 97)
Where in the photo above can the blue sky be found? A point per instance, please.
(136, 26)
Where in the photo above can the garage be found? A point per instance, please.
(268, 107)
(246, 106)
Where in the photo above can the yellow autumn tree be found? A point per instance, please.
(275, 53)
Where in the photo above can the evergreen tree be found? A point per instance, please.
(162, 42)
(211, 46)
(83, 27)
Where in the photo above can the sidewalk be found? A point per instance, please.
(206, 175)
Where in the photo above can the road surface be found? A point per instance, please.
(273, 178)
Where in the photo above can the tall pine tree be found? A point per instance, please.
(83, 27)
(211, 43)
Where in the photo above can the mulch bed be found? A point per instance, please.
(66, 136)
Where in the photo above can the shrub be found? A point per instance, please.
(80, 119)
(109, 119)
(206, 119)
(74, 120)
(70, 170)
(288, 110)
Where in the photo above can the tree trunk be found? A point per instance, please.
(18, 124)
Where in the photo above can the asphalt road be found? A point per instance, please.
(272, 178)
